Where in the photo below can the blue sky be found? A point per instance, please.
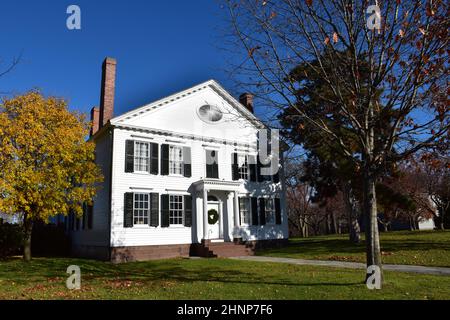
(161, 47)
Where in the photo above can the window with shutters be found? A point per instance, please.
(244, 209)
(212, 164)
(176, 210)
(141, 208)
(176, 160)
(141, 156)
(270, 210)
(243, 166)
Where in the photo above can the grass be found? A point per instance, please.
(44, 278)
(427, 248)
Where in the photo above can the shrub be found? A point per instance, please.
(11, 238)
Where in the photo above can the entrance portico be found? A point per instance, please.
(215, 195)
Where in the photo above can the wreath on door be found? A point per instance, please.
(213, 216)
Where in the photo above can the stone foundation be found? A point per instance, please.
(155, 252)
(144, 253)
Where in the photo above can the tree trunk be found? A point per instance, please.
(372, 235)
(442, 224)
(352, 213)
(335, 226)
(411, 224)
(28, 228)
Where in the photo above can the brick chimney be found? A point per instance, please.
(107, 91)
(246, 99)
(95, 119)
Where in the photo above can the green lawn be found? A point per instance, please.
(427, 248)
(44, 278)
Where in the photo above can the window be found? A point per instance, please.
(176, 160)
(270, 211)
(176, 210)
(244, 210)
(212, 166)
(210, 113)
(141, 208)
(141, 156)
(243, 166)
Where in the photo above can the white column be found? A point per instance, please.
(236, 211)
(220, 219)
(205, 214)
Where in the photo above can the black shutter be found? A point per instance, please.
(165, 210)
(262, 211)
(154, 161)
(187, 211)
(254, 211)
(154, 209)
(165, 159)
(240, 209)
(252, 167)
(128, 210)
(129, 156)
(187, 172)
(215, 167)
(277, 211)
(234, 166)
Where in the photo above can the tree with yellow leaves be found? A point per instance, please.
(46, 165)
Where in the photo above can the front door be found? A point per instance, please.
(213, 220)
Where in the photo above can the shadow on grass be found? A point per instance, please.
(390, 242)
(154, 272)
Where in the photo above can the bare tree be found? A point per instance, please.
(9, 67)
(299, 199)
(435, 174)
(407, 58)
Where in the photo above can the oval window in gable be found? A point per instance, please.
(210, 113)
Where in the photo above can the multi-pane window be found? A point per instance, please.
(141, 156)
(270, 211)
(176, 160)
(176, 210)
(243, 166)
(141, 208)
(244, 209)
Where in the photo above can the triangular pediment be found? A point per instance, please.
(181, 113)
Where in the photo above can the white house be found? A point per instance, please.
(182, 176)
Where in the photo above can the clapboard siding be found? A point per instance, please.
(132, 182)
(99, 234)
